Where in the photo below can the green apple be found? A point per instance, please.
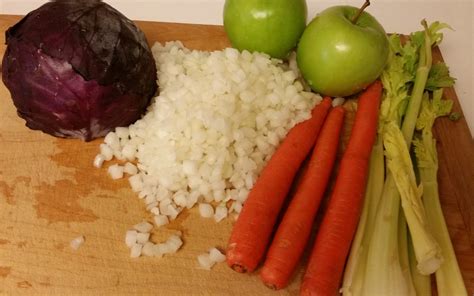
(270, 26)
(341, 52)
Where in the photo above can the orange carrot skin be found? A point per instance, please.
(326, 264)
(294, 231)
(251, 233)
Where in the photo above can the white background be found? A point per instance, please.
(402, 16)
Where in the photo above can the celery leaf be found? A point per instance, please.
(431, 109)
(439, 77)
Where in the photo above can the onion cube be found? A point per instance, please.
(206, 210)
(216, 255)
(130, 168)
(136, 250)
(77, 242)
(143, 237)
(131, 238)
(205, 261)
(106, 151)
(221, 213)
(174, 243)
(116, 171)
(122, 132)
(136, 183)
(147, 249)
(143, 227)
(159, 250)
(99, 160)
(128, 152)
(155, 210)
(161, 220)
(112, 140)
(337, 102)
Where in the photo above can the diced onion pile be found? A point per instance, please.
(218, 119)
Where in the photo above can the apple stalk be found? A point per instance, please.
(359, 13)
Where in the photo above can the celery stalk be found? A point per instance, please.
(449, 280)
(422, 72)
(376, 186)
(427, 250)
(384, 275)
(378, 261)
(355, 268)
(403, 246)
(421, 283)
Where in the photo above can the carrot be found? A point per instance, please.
(326, 264)
(252, 231)
(295, 228)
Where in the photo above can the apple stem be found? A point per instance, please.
(359, 13)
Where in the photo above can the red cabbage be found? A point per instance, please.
(78, 69)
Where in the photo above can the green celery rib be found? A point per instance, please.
(426, 249)
(403, 245)
(449, 280)
(421, 283)
(400, 165)
(355, 269)
(414, 104)
(384, 269)
(383, 274)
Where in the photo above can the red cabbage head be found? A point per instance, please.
(78, 69)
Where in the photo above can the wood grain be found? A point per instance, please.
(50, 194)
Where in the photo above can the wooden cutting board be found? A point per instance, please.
(50, 194)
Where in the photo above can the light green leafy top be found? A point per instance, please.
(425, 145)
(439, 72)
(434, 31)
(439, 77)
(431, 109)
(396, 82)
(400, 72)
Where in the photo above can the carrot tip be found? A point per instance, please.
(239, 268)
